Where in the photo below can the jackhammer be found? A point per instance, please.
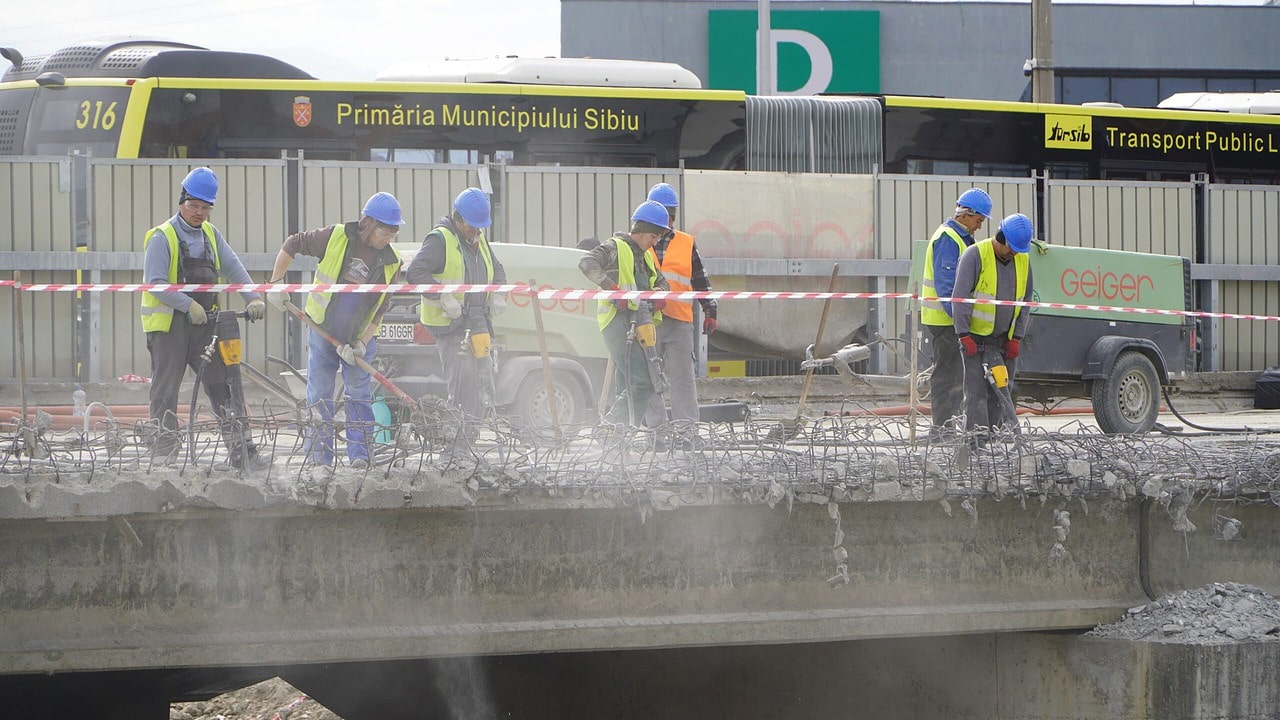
(477, 344)
(233, 418)
(998, 378)
(644, 332)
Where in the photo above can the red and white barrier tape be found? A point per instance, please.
(572, 294)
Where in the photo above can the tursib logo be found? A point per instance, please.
(1057, 133)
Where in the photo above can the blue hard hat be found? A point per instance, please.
(653, 213)
(201, 184)
(1017, 232)
(383, 207)
(664, 195)
(473, 205)
(976, 200)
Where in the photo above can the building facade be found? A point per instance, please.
(1135, 55)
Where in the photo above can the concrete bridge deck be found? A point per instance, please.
(129, 569)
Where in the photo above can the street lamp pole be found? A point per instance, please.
(1041, 62)
(764, 51)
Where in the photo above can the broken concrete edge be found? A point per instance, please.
(103, 494)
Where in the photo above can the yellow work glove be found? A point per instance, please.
(197, 314)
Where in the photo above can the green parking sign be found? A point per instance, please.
(817, 51)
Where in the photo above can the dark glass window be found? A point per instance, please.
(1231, 85)
(1135, 92)
(1169, 86)
(1077, 90)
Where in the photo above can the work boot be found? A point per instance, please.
(256, 463)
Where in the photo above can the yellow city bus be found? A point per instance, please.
(148, 99)
(140, 98)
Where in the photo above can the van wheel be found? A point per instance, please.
(1128, 400)
(532, 408)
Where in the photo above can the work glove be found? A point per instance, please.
(256, 309)
(452, 307)
(619, 303)
(497, 304)
(279, 300)
(968, 345)
(352, 352)
(196, 314)
(658, 305)
(1011, 348)
(708, 325)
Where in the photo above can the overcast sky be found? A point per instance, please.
(331, 39)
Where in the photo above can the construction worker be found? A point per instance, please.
(357, 252)
(946, 383)
(990, 336)
(623, 262)
(456, 251)
(680, 264)
(187, 248)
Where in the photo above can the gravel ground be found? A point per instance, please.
(1215, 614)
(272, 699)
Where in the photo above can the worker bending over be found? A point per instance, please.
(991, 335)
(623, 262)
(681, 265)
(359, 253)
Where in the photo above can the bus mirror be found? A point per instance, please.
(51, 79)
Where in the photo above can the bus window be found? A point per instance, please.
(88, 118)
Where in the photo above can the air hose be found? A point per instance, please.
(1233, 431)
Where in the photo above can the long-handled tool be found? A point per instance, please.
(401, 395)
(647, 335)
(790, 428)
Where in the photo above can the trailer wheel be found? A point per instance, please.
(531, 405)
(1128, 400)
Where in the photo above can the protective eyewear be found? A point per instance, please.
(387, 231)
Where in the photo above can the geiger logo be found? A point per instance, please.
(1068, 132)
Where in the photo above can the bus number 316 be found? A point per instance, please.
(92, 116)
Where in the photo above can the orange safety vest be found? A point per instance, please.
(677, 268)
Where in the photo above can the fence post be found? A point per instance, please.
(1209, 291)
(19, 324)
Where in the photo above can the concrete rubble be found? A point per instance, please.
(1218, 613)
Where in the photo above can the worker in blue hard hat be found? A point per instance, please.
(357, 252)
(187, 248)
(941, 255)
(457, 251)
(624, 262)
(990, 335)
(680, 263)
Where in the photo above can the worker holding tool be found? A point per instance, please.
(357, 252)
(187, 248)
(946, 382)
(680, 263)
(990, 336)
(622, 262)
(456, 251)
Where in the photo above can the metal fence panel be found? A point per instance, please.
(1243, 228)
(560, 206)
(1249, 344)
(910, 207)
(1243, 224)
(36, 215)
(1151, 217)
(333, 192)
